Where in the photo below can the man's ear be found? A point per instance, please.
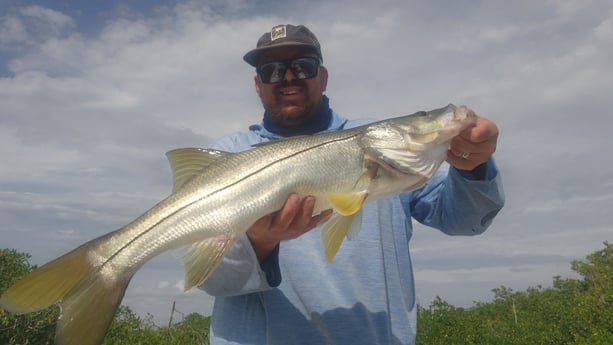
(256, 81)
(323, 78)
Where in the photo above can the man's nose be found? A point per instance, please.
(289, 75)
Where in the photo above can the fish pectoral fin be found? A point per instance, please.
(336, 229)
(186, 163)
(347, 204)
(203, 257)
(88, 299)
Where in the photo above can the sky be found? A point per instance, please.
(93, 93)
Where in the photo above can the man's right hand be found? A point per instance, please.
(291, 221)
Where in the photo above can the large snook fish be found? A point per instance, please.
(218, 195)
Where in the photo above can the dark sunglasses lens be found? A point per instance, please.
(302, 68)
(272, 72)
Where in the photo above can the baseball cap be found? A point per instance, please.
(283, 35)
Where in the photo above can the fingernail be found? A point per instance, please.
(309, 200)
(325, 216)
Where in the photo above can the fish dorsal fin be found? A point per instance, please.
(336, 229)
(203, 257)
(189, 162)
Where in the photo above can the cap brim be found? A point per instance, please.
(253, 56)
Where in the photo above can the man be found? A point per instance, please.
(274, 286)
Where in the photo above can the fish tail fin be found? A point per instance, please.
(87, 312)
(87, 298)
(47, 285)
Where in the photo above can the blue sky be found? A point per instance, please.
(93, 93)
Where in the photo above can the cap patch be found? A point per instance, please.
(278, 32)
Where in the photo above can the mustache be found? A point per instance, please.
(293, 82)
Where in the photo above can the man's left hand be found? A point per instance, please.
(474, 145)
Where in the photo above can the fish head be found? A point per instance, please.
(415, 144)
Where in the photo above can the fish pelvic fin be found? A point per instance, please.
(203, 257)
(336, 229)
(87, 299)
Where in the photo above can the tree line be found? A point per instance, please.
(575, 311)
(572, 311)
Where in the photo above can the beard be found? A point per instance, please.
(291, 113)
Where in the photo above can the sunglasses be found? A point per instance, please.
(274, 72)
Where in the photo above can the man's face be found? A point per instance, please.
(291, 102)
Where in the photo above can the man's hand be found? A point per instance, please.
(474, 145)
(291, 221)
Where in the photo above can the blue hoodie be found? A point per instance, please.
(366, 295)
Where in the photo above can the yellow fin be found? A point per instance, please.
(88, 299)
(333, 233)
(347, 204)
(350, 203)
(87, 313)
(47, 285)
(203, 257)
(188, 162)
(356, 226)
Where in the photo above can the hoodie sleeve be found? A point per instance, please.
(240, 272)
(459, 202)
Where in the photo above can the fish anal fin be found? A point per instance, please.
(333, 233)
(203, 257)
(347, 204)
(186, 163)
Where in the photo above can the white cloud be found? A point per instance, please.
(85, 119)
(12, 30)
(54, 20)
(32, 25)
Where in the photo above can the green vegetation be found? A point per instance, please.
(127, 328)
(34, 328)
(573, 311)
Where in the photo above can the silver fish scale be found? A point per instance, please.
(236, 190)
(245, 184)
(224, 199)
